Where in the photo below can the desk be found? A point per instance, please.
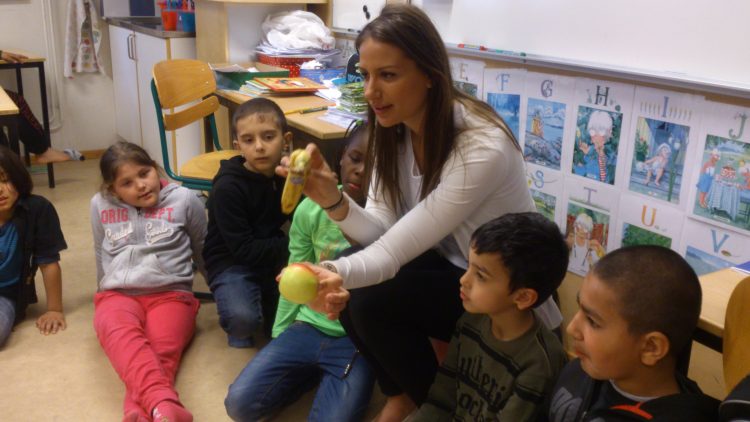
(38, 63)
(9, 118)
(306, 127)
(717, 287)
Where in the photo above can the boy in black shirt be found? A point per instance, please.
(639, 306)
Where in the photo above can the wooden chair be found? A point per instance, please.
(737, 335)
(178, 83)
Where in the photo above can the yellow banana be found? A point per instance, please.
(299, 169)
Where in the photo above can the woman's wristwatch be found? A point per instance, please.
(328, 265)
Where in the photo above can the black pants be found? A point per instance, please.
(391, 322)
(30, 131)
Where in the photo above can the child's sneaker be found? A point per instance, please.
(169, 411)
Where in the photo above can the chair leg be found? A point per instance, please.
(50, 175)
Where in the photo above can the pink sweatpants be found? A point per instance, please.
(144, 337)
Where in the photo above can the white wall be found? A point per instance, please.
(82, 108)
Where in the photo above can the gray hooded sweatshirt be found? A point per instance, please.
(148, 250)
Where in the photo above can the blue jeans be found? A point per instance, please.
(7, 316)
(295, 362)
(245, 299)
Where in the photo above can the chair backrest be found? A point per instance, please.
(736, 340)
(186, 85)
(180, 82)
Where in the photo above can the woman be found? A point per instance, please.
(441, 164)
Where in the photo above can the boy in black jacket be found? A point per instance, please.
(245, 246)
(638, 308)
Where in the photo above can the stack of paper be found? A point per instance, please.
(353, 98)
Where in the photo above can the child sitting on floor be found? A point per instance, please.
(639, 306)
(245, 245)
(502, 361)
(308, 349)
(30, 238)
(147, 234)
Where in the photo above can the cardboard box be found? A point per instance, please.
(234, 80)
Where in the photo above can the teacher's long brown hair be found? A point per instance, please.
(408, 28)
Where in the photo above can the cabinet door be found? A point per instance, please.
(149, 51)
(125, 81)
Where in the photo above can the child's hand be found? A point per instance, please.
(332, 298)
(50, 322)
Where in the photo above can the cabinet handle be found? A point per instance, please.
(130, 53)
(132, 40)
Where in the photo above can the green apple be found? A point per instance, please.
(298, 284)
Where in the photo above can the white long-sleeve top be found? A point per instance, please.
(482, 179)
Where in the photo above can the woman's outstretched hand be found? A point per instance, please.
(332, 298)
(322, 183)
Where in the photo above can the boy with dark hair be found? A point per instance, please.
(245, 245)
(502, 361)
(639, 306)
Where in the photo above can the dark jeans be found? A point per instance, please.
(298, 360)
(391, 322)
(245, 299)
(30, 131)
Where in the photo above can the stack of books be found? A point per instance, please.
(254, 89)
(272, 86)
(353, 98)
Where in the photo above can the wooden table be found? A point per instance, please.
(306, 127)
(717, 288)
(37, 62)
(9, 118)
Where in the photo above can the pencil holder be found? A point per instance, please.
(186, 21)
(169, 19)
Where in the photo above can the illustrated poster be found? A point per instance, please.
(503, 89)
(602, 109)
(547, 115)
(588, 219)
(708, 248)
(468, 75)
(721, 188)
(664, 130)
(546, 187)
(642, 221)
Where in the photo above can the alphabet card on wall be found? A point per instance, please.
(547, 116)
(708, 248)
(642, 221)
(468, 76)
(664, 134)
(546, 187)
(721, 188)
(588, 218)
(503, 89)
(602, 107)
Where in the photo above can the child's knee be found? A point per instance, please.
(243, 322)
(241, 405)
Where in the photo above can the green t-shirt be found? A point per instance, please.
(313, 237)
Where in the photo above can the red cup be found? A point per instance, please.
(169, 19)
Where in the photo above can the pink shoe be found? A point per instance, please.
(169, 411)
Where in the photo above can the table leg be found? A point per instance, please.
(45, 122)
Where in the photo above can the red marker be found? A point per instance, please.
(473, 47)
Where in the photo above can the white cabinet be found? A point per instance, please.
(134, 55)
(124, 77)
